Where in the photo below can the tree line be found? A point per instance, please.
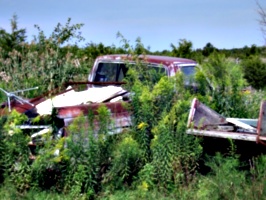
(14, 45)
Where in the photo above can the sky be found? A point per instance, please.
(226, 24)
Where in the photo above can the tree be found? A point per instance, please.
(208, 49)
(183, 50)
(13, 40)
(251, 51)
(60, 35)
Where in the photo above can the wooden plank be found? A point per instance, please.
(231, 135)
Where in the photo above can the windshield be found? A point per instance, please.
(116, 72)
(110, 72)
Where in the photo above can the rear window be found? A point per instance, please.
(189, 72)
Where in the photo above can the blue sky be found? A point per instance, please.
(224, 23)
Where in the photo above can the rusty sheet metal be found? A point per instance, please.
(75, 111)
(119, 113)
(93, 83)
(201, 116)
(19, 107)
(261, 128)
(23, 107)
(203, 121)
(73, 98)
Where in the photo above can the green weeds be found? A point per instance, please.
(154, 159)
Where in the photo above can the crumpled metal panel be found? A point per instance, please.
(119, 113)
(261, 128)
(203, 121)
(201, 116)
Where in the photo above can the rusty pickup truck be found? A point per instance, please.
(104, 85)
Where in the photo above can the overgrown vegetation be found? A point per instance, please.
(153, 159)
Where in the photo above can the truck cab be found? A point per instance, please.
(113, 68)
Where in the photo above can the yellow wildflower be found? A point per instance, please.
(142, 125)
(144, 186)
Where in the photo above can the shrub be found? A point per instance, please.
(222, 86)
(226, 181)
(126, 161)
(254, 72)
(15, 153)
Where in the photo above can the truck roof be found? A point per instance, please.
(164, 60)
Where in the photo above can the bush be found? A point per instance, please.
(226, 181)
(254, 72)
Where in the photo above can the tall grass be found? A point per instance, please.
(155, 158)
